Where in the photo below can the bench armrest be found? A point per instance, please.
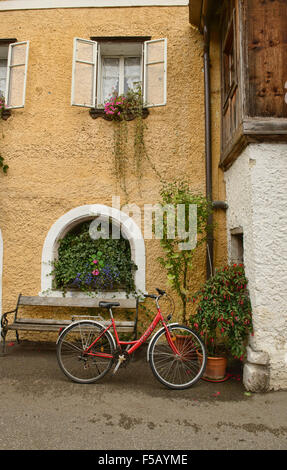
(4, 320)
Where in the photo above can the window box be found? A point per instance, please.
(99, 112)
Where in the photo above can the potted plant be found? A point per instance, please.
(223, 317)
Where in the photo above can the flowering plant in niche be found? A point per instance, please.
(93, 265)
(97, 275)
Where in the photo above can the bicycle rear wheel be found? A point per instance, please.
(177, 371)
(75, 361)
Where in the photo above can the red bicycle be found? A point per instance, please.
(86, 350)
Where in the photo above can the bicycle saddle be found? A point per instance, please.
(108, 304)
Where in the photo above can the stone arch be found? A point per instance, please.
(78, 215)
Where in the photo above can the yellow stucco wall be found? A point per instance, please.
(60, 158)
(218, 184)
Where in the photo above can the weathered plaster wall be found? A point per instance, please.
(60, 158)
(257, 199)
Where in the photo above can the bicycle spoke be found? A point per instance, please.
(177, 370)
(78, 364)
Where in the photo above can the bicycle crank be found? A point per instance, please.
(122, 358)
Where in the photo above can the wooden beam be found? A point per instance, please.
(195, 9)
(253, 130)
(200, 9)
(267, 126)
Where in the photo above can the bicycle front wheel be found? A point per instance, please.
(177, 371)
(80, 362)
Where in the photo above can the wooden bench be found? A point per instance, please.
(45, 324)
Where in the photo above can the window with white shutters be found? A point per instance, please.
(104, 67)
(16, 74)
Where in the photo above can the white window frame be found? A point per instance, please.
(5, 58)
(146, 65)
(9, 69)
(93, 63)
(122, 57)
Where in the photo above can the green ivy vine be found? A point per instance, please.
(120, 109)
(4, 167)
(179, 263)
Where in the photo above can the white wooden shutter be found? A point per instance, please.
(16, 74)
(84, 78)
(155, 62)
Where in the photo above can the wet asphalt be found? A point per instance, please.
(42, 410)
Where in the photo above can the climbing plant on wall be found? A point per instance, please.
(120, 109)
(4, 167)
(178, 262)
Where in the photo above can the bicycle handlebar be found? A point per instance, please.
(153, 296)
(157, 297)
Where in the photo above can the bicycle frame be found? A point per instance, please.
(137, 343)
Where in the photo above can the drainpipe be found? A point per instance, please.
(208, 159)
(208, 152)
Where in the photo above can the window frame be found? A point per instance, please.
(96, 105)
(10, 66)
(100, 98)
(116, 39)
(147, 63)
(229, 62)
(93, 63)
(6, 42)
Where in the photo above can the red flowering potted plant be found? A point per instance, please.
(223, 317)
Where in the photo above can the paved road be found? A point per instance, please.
(42, 410)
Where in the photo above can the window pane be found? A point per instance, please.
(18, 54)
(83, 85)
(155, 82)
(3, 72)
(155, 51)
(111, 72)
(16, 86)
(85, 51)
(132, 73)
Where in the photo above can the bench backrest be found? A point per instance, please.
(88, 302)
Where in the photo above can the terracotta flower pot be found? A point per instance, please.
(215, 367)
(185, 345)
